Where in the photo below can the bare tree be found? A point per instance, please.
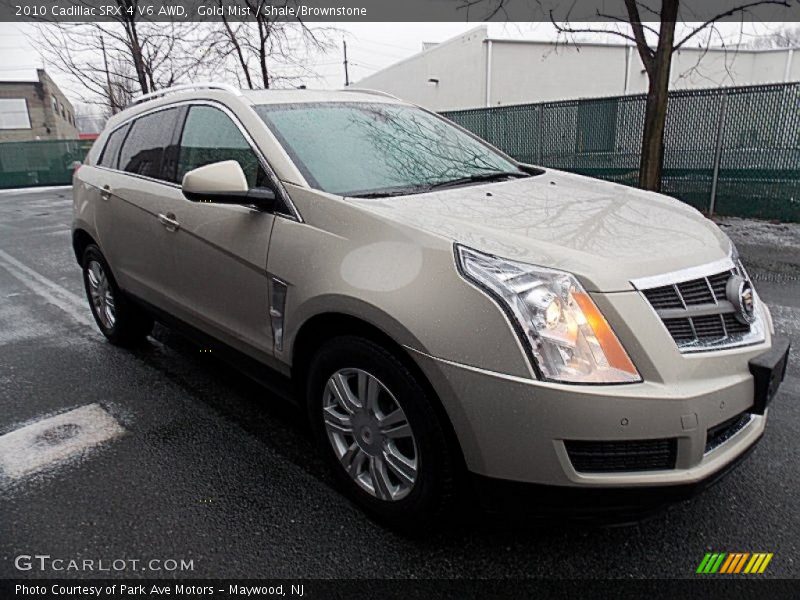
(266, 52)
(115, 60)
(655, 39)
(785, 37)
(651, 26)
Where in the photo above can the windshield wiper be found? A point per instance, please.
(418, 189)
(478, 178)
(387, 193)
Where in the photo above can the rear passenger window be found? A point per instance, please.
(111, 150)
(210, 136)
(144, 148)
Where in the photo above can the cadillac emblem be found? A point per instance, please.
(740, 293)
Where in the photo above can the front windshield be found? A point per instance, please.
(358, 148)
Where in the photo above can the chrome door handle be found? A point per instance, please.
(105, 193)
(169, 222)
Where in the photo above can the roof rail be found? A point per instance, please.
(201, 85)
(369, 91)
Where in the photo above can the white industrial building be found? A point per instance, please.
(474, 70)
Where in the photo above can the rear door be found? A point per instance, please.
(133, 222)
(222, 249)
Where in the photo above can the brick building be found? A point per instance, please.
(35, 110)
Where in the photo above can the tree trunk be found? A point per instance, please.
(237, 47)
(655, 116)
(136, 54)
(263, 34)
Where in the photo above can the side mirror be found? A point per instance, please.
(224, 183)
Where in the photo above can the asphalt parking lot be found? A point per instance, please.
(201, 465)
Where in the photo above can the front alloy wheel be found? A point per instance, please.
(378, 427)
(370, 434)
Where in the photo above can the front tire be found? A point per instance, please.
(378, 430)
(119, 319)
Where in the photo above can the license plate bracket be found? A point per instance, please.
(768, 371)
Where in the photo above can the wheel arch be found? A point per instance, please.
(80, 241)
(322, 327)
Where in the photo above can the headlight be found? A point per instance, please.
(567, 336)
(737, 261)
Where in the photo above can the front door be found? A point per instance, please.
(221, 250)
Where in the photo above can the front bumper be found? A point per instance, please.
(608, 504)
(515, 429)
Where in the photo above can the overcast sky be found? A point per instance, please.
(371, 46)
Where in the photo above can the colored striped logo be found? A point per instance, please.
(734, 562)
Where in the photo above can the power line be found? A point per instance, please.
(389, 54)
(365, 66)
(368, 41)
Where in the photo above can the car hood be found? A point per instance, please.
(605, 233)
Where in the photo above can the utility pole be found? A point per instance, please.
(346, 74)
(111, 102)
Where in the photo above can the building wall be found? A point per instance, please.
(459, 64)
(538, 72)
(524, 71)
(48, 122)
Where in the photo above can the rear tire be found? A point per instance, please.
(378, 430)
(119, 319)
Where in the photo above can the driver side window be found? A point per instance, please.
(210, 136)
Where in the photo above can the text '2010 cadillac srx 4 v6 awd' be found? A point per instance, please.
(455, 321)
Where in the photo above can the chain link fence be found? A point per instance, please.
(25, 164)
(730, 151)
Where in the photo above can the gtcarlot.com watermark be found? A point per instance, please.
(53, 564)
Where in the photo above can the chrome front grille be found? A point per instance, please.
(705, 290)
(695, 309)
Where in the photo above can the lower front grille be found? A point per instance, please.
(619, 456)
(719, 434)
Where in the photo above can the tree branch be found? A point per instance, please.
(728, 13)
(645, 52)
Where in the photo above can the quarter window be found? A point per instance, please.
(148, 143)
(111, 150)
(210, 136)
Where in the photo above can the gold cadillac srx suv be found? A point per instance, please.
(454, 320)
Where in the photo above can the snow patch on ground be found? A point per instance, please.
(786, 320)
(766, 248)
(753, 231)
(53, 440)
(17, 322)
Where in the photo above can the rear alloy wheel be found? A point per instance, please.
(370, 434)
(381, 433)
(118, 318)
(100, 294)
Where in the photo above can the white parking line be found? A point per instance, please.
(76, 307)
(34, 190)
(56, 439)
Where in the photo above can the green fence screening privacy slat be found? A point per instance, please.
(755, 128)
(24, 164)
